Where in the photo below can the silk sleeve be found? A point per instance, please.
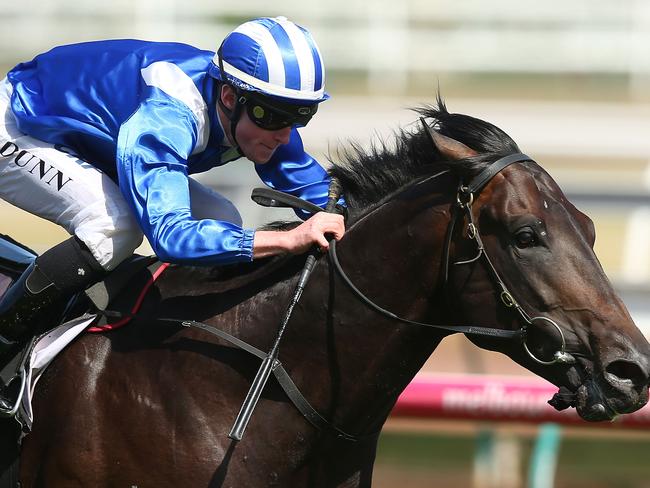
(152, 151)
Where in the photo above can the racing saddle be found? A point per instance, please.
(15, 258)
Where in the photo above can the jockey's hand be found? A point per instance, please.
(300, 239)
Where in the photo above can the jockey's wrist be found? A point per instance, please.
(269, 243)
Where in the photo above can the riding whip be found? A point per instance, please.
(262, 376)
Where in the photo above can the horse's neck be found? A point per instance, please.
(370, 358)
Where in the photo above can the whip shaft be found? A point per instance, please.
(266, 368)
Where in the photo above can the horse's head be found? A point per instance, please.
(539, 272)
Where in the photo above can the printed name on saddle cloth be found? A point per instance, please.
(34, 165)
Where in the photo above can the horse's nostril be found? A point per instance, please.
(627, 370)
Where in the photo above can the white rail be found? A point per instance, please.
(385, 39)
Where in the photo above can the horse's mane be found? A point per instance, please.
(370, 175)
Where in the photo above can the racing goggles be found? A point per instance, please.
(270, 114)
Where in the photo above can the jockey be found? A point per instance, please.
(100, 138)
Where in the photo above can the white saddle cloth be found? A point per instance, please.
(44, 351)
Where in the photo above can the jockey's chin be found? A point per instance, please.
(257, 144)
(260, 154)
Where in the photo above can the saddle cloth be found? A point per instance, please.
(106, 294)
(44, 351)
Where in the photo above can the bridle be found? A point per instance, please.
(463, 206)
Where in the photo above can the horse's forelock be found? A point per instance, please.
(485, 138)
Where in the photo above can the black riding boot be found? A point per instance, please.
(43, 290)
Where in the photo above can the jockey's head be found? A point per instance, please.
(275, 72)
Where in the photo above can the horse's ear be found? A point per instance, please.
(448, 147)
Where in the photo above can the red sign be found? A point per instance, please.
(496, 398)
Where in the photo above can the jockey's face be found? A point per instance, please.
(255, 143)
(258, 144)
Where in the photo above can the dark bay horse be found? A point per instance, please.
(151, 404)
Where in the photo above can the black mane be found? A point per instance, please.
(368, 176)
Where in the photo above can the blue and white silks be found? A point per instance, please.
(144, 113)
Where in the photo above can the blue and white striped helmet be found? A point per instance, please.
(275, 57)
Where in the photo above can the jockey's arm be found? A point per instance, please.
(152, 171)
(153, 177)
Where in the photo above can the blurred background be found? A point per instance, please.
(569, 81)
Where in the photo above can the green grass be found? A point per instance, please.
(416, 460)
(425, 451)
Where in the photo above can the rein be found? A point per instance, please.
(464, 200)
(465, 329)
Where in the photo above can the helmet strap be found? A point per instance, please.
(234, 120)
(233, 114)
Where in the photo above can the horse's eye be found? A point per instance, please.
(525, 237)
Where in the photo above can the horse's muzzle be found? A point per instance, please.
(621, 388)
